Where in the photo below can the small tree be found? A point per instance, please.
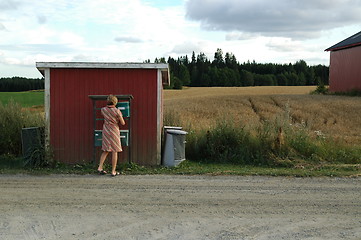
(218, 58)
(177, 83)
(247, 78)
(184, 75)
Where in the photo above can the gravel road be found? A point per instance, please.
(179, 207)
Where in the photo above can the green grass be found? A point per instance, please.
(10, 165)
(197, 168)
(25, 99)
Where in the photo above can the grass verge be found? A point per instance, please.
(15, 166)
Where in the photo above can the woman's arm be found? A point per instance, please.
(121, 119)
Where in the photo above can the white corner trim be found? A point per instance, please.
(159, 115)
(47, 106)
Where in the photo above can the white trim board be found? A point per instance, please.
(43, 65)
(47, 106)
(159, 116)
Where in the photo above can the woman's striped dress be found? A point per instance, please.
(111, 132)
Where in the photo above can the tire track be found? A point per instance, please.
(256, 111)
(276, 103)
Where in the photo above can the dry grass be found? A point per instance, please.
(336, 117)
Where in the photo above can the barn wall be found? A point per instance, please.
(345, 70)
(71, 112)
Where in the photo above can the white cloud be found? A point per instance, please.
(187, 47)
(284, 45)
(84, 58)
(241, 36)
(283, 18)
(35, 48)
(137, 30)
(6, 5)
(129, 39)
(41, 19)
(2, 27)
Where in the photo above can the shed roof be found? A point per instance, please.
(353, 41)
(163, 67)
(100, 65)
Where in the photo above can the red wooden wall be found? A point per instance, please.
(345, 70)
(71, 111)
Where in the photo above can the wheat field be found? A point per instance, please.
(336, 117)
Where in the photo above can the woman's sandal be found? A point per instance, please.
(116, 174)
(102, 172)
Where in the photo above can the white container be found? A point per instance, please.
(174, 147)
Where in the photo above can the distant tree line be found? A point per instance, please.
(226, 71)
(223, 71)
(19, 84)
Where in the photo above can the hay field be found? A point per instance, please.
(337, 117)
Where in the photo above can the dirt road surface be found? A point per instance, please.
(179, 207)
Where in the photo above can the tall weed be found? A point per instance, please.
(171, 118)
(274, 142)
(225, 143)
(12, 119)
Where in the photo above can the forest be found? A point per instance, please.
(223, 71)
(226, 71)
(20, 84)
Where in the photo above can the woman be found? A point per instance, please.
(111, 134)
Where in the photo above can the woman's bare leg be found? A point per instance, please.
(102, 160)
(114, 162)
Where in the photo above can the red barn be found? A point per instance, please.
(69, 110)
(345, 62)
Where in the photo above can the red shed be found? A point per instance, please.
(345, 61)
(69, 110)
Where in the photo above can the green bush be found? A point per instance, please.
(337, 153)
(321, 89)
(12, 119)
(226, 143)
(261, 145)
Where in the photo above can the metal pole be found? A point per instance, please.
(130, 133)
(94, 128)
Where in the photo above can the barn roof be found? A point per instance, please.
(353, 41)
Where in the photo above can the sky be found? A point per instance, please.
(277, 31)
